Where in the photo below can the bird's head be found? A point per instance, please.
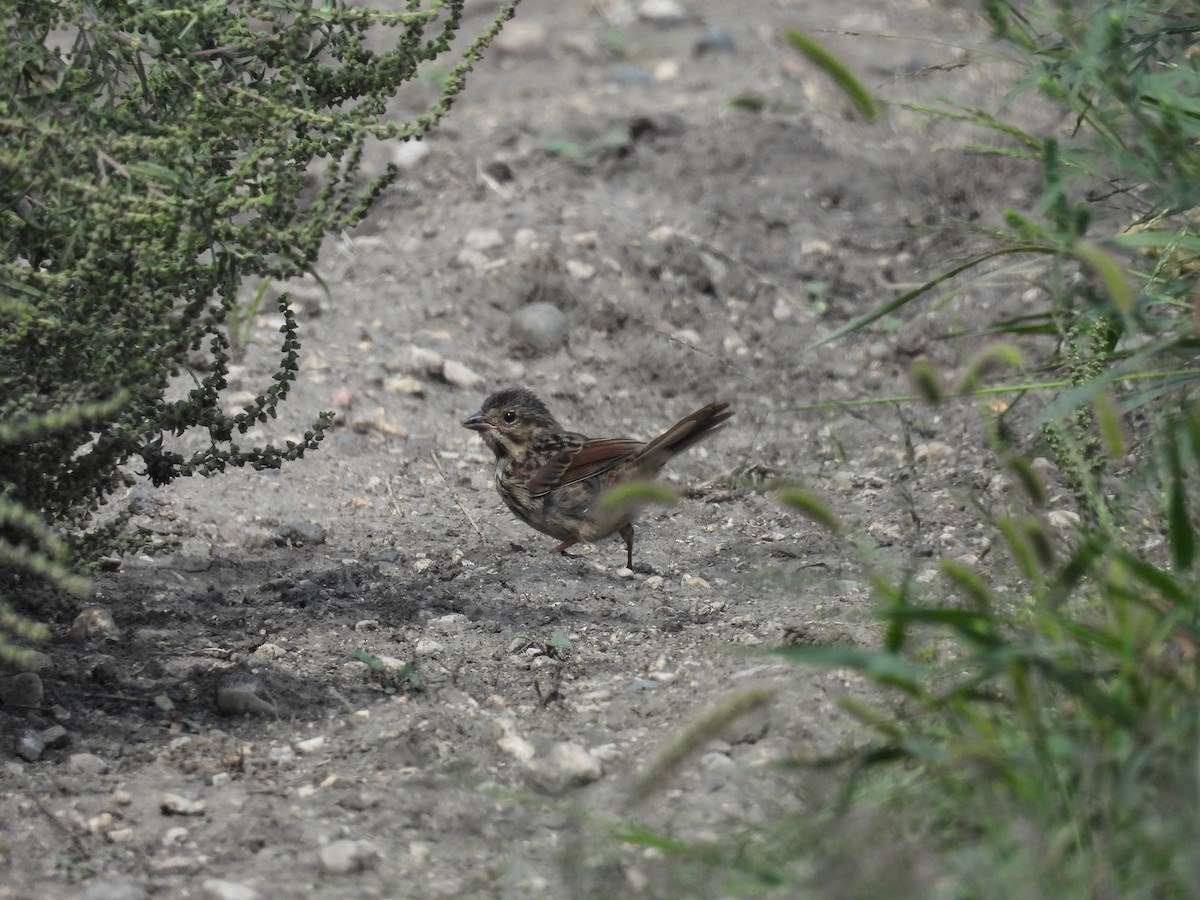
(512, 421)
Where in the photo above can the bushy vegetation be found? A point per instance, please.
(155, 157)
(1044, 733)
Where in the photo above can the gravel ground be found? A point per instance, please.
(361, 676)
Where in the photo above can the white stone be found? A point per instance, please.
(459, 376)
(345, 857)
(483, 239)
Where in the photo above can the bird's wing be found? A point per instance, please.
(580, 458)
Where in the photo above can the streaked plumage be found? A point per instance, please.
(551, 478)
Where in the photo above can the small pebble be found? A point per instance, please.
(269, 651)
(345, 857)
(1063, 519)
(566, 766)
(716, 762)
(87, 764)
(94, 623)
(56, 737)
(472, 259)
(403, 384)
(428, 361)
(220, 889)
(539, 328)
(310, 745)
(300, 534)
(663, 13)
(243, 694)
(517, 747)
(22, 691)
(749, 728)
(579, 270)
(407, 154)
(175, 865)
(483, 239)
(178, 805)
(29, 745)
(101, 823)
(502, 173)
(428, 647)
(715, 40)
(930, 450)
(113, 890)
(459, 376)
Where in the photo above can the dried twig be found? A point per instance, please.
(466, 515)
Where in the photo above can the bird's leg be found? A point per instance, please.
(565, 545)
(627, 535)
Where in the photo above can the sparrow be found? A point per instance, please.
(552, 478)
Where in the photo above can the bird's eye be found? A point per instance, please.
(510, 417)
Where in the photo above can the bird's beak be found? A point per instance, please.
(476, 422)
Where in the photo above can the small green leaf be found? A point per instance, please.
(1108, 272)
(566, 149)
(884, 667)
(374, 663)
(613, 138)
(156, 173)
(872, 717)
(927, 381)
(967, 580)
(809, 505)
(892, 595)
(1040, 540)
(644, 837)
(1179, 524)
(1108, 422)
(1028, 477)
(1158, 580)
(989, 360)
(695, 737)
(1196, 308)
(557, 639)
(1018, 546)
(838, 71)
(634, 495)
(748, 102)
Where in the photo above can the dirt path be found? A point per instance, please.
(694, 247)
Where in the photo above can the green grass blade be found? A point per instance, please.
(811, 506)
(904, 299)
(838, 71)
(1179, 524)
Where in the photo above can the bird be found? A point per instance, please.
(552, 478)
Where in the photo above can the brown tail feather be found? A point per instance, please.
(687, 432)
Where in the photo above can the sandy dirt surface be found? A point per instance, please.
(361, 676)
